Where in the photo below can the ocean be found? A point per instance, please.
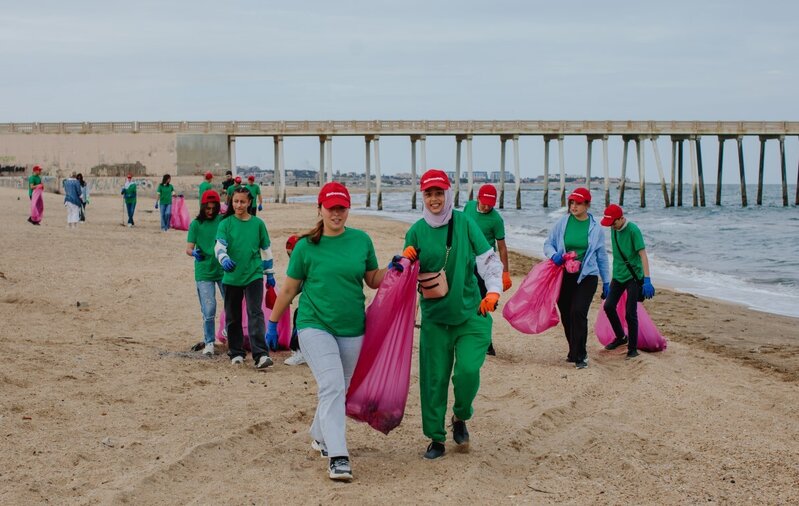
(728, 252)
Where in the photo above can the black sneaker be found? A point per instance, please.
(459, 432)
(434, 451)
(619, 341)
(582, 364)
(263, 362)
(340, 469)
(632, 353)
(490, 350)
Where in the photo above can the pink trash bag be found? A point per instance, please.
(649, 339)
(37, 205)
(180, 214)
(283, 326)
(533, 308)
(379, 388)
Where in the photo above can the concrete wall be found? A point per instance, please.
(200, 153)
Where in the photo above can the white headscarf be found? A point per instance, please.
(443, 217)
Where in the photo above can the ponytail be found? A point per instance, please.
(315, 234)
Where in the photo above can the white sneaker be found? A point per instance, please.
(237, 360)
(209, 349)
(320, 447)
(296, 358)
(264, 361)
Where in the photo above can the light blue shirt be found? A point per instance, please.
(72, 191)
(595, 260)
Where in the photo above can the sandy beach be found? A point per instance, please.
(103, 403)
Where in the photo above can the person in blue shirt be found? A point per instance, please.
(72, 200)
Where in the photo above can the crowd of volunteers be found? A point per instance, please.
(463, 270)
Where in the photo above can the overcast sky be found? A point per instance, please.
(266, 60)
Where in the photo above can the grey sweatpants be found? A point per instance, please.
(332, 361)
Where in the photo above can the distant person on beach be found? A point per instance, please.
(231, 188)
(206, 185)
(72, 200)
(456, 327)
(296, 357)
(331, 263)
(84, 196)
(129, 196)
(578, 231)
(630, 274)
(207, 271)
(244, 251)
(165, 191)
(35, 181)
(493, 227)
(228, 182)
(255, 191)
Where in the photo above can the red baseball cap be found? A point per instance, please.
(208, 175)
(612, 213)
(291, 242)
(251, 177)
(238, 179)
(487, 195)
(580, 195)
(36, 168)
(334, 194)
(209, 196)
(434, 178)
(130, 176)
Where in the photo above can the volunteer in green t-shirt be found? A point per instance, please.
(231, 188)
(630, 265)
(331, 263)
(129, 197)
(206, 185)
(243, 249)
(34, 180)
(37, 207)
(578, 232)
(207, 271)
(165, 191)
(456, 328)
(493, 227)
(255, 191)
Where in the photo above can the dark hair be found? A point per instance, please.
(315, 234)
(79, 177)
(241, 189)
(228, 173)
(165, 179)
(201, 216)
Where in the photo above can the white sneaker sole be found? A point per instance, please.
(341, 476)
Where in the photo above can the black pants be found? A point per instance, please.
(631, 311)
(573, 303)
(294, 345)
(254, 294)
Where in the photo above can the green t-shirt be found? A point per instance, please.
(630, 242)
(204, 187)
(255, 190)
(332, 274)
(33, 179)
(576, 236)
(231, 189)
(130, 194)
(245, 240)
(203, 235)
(491, 223)
(468, 241)
(165, 194)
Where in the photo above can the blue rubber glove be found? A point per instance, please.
(260, 207)
(156, 204)
(228, 265)
(648, 289)
(557, 258)
(605, 290)
(197, 254)
(270, 279)
(271, 335)
(395, 265)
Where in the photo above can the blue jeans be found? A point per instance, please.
(166, 216)
(131, 207)
(207, 295)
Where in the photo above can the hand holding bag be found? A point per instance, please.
(433, 285)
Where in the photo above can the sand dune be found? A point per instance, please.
(103, 403)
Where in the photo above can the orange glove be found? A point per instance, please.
(489, 304)
(506, 282)
(410, 253)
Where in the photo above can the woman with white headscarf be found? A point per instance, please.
(456, 326)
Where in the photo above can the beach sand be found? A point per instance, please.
(103, 402)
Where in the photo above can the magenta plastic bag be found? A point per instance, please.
(379, 387)
(283, 326)
(37, 205)
(534, 307)
(180, 214)
(649, 339)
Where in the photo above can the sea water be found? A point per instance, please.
(747, 255)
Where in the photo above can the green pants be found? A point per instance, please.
(441, 347)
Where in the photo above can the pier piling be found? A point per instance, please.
(639, 155)
(659, 166)
(561, 163)
(548, 138)
(502, 141)
(783, 171)
(368, 167)
(378, 174)
(623, 182)
(413, 171)
(699, 171)
(517, 180)
(606, 169)
(458, 142)
(721, 165)
(469, 166)
(760, 168)
(739, 141)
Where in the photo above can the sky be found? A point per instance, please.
(321, 60)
